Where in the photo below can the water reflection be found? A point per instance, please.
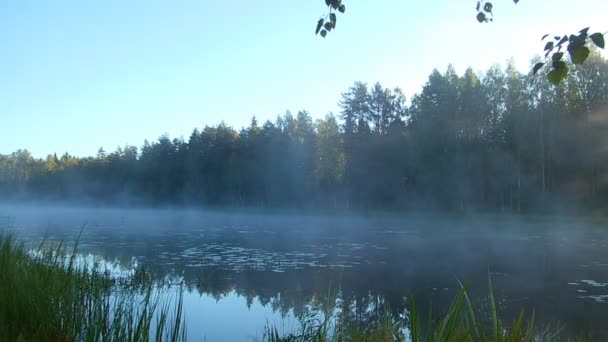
(258, 267)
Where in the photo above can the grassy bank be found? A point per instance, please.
(49, 296)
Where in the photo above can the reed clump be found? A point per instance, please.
(47, 295)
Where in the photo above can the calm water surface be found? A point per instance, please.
(246, 270)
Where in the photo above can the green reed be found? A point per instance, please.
(48, 296)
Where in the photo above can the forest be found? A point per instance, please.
(498, 140)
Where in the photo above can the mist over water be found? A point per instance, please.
(257, 266)
(270, 169)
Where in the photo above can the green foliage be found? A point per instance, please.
(499, 141)
(48, 295)
(597, 39)
(537, 67)
(484, 11)
(575, 45)
(330, 160)
(460, 323)
(328, 22)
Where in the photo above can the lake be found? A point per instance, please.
(244, 270)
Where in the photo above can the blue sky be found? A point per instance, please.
(79, 75)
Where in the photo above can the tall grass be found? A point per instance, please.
(460, 322)
(49, 296)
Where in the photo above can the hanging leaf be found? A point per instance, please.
(555, 77)
(537, 67)
(488, 7)
(481, 17)
(561, 66)
(342, 8)
(556, 57)
(579, 54)
(323, 33)
(319, 26)
(598, 39)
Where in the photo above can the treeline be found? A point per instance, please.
(500, 140)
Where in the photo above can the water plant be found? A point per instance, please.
(460, 322)
(49, 296)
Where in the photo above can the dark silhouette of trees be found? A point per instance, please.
(498, 141)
